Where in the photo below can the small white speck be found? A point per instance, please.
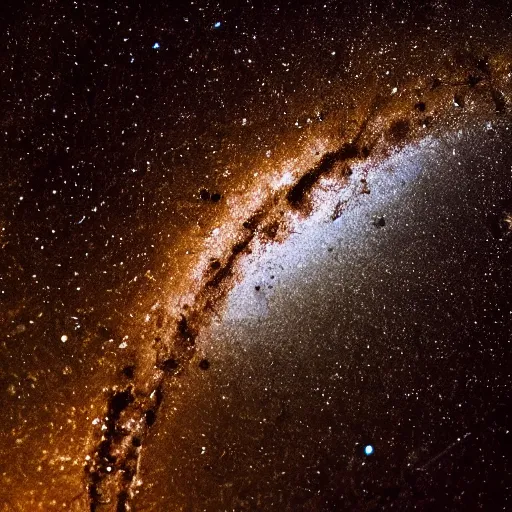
(63, 338)
(394, 90)
(123, 344)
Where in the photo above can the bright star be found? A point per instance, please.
(368, 449)
(156, 46)
(217, 24)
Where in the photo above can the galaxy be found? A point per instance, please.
(255, 256)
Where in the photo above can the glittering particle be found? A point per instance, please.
(156, 46)
(64, 338)
(368, 449)
(217, 24)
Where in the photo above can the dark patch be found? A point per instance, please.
(436, 82)
(169, 365)
(474, 80)
(221, 274)
(458, 100)
(298, 192)
(159, 395)
(399, 130)
(204, 194)
(379, 222)
(254, 221)
(240, 246)
(427, 121)
(104, 332)
(159, 320)
(215, 264)
(365, 153)
(150, 417)
(257, 288)
(338, 210)
(122, 502)
(137, 442)
(204, 364)
(158, 339)
(129, 371)
(104, 454)
(94, 491)
(185, 333)
(499, 100)
(483, 65)
(129, 471)
(224, 272)
(271, 230)
(420, 106)
(117, 403)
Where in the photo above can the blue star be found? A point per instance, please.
(217, 24)
(368, 449)
(156, 46)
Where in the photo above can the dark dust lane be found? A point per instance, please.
(115, 460)
(391, 336)
(151, 155)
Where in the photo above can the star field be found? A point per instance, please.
(255, 257)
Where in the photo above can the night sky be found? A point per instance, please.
(255, 257)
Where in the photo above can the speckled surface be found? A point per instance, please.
(239, 244)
